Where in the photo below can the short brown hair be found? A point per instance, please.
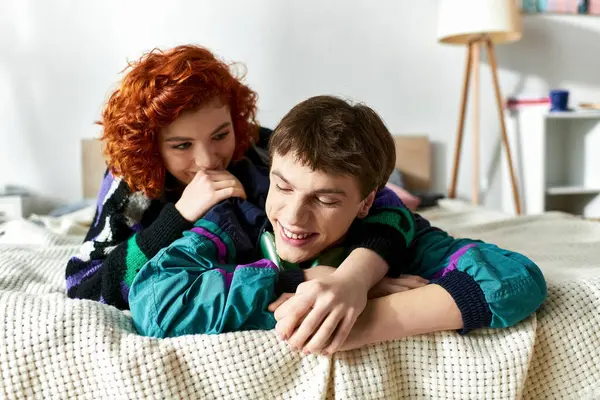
(331, 135)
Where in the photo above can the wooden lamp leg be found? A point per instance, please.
(475, 104)
(515, 188)
(461, 121)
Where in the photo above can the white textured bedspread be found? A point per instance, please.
(54, 347)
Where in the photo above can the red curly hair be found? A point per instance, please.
(157, 89)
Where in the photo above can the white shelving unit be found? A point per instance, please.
(13, 207)
(557, 161)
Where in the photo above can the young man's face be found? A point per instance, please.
(310, 210)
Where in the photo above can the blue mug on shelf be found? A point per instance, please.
(559, 100)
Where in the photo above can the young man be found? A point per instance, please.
(471, 284)
(329, 159)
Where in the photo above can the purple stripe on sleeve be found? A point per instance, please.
(228, 276)
(452, 264)
(137, 228)
(221, 249)
(387, 198)
(125, 292)
(262, 263)
(77, 278)
(104, 188)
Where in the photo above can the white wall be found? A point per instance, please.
(60, 59)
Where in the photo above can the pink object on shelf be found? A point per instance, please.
(513, 102)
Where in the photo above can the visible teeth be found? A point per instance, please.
(292, 235)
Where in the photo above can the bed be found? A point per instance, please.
(54, 347)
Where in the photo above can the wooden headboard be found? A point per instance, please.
(413, 159)
(93, 167)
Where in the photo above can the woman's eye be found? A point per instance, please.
(221, 136)
(182, 146)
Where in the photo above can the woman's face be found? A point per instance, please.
(198, 140)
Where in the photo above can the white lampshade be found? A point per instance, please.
(461, 20)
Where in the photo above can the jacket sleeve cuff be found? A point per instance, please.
(168, 226)
(469, 298)
(288, 281)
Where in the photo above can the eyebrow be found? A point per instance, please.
(186, 138)
(319, 191)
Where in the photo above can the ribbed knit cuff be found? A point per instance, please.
(289, 280)
(469, 298)
(168, 226)
(384, 240)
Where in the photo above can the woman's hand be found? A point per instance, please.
(388, 286)
(206, 190)
(318, 271)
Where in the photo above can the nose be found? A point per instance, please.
(295, 212)
(205, 158)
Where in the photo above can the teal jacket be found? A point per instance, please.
(209, 281)
(492, 287)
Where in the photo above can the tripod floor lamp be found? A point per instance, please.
(479, 24)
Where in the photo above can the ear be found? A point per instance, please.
(366, 204)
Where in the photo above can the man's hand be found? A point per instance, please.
(388, 286)
(309, 274)
(280, 300)
(403, 314)
(323, 310)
